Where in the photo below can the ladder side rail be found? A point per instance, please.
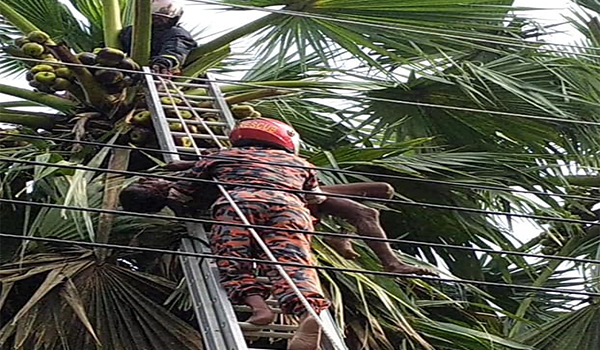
(227, 320)
(326, 317)
(221, 103)
(195, 270)
(195, 275)
(161, 127)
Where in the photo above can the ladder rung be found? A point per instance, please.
(204, 86)
(199, 136)
(275, 335)
(189, 97)
(196, 122)
(246, 308)
(199, 109)
(273, 327)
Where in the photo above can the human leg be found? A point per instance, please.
(295, 248)
(366, 221)
(237, 277)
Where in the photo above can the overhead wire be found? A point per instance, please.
(315, 267)
(323, 169)
(303, 192)
(458, 35)
(337, 95)
(195, 220)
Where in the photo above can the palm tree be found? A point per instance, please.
(365, 91)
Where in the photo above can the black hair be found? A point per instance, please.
(142, 199)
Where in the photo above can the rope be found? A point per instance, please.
(331, 170)
(315, 233)
(323, 268)
(353, 197)
(337, 95)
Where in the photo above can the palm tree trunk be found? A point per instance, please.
(142, 31)
(112, 23)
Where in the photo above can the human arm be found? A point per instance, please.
(312, 185)
(177, 44)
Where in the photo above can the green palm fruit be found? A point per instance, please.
(167, 101)
(187, 142)
(129, 64)
(39, 87)
(42, 68)
(143, 118)
(242, 111)
(108, 77)
(177, 127)
(140, 136)
(65, 73)
(33, 49)
(38, 37)
(46, 78)
(110, 57)
(255, 114)
(21, 41)
(87, 58)
(61, 84)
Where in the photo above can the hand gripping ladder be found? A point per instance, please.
(217, 317)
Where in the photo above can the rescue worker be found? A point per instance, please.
(265, 140)
(171, 43)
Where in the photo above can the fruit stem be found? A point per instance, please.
(55, 102)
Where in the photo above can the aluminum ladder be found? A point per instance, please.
(217, 317)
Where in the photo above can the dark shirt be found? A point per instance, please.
(172, 42)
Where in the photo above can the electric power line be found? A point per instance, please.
(337, 95)
(303, 192)
(315, 233)
(324, 169)
(324, 268)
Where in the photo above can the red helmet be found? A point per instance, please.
(266, 131)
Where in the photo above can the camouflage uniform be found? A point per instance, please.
(262, 207)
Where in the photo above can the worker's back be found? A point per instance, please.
(246, 166)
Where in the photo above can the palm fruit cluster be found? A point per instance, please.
(112, 79)
(142, 133)
(44, 77)
(244, 111)
(7, 141)
(552, 244)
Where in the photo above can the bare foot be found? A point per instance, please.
(307, 336)
(342, 246)
(400, 267)
(262, 314)
(262, 317)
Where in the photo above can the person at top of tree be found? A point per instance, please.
(171, 43)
